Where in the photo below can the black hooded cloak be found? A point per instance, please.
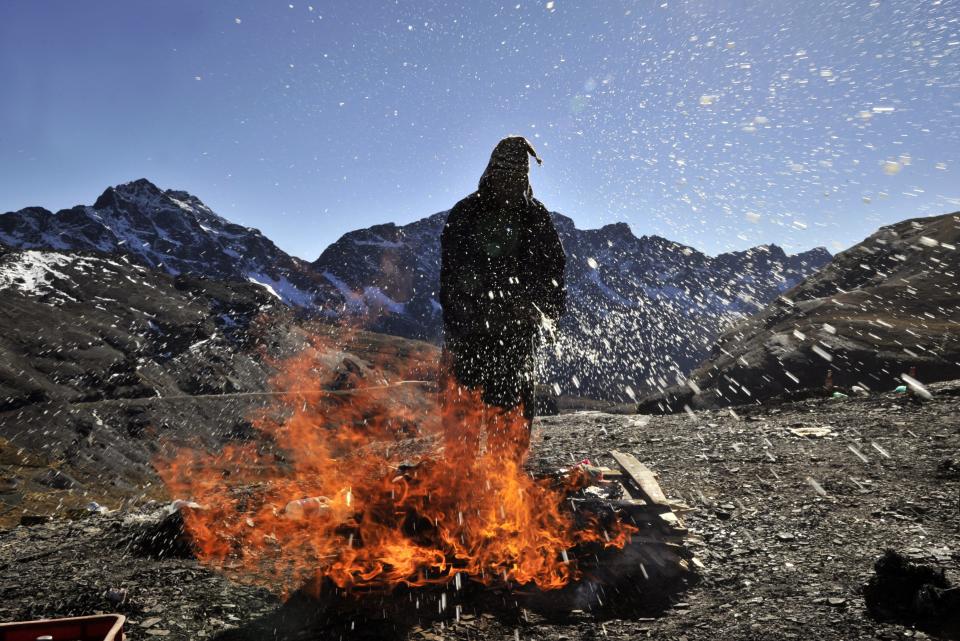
(501, 276)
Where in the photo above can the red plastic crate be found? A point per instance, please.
(102, 627)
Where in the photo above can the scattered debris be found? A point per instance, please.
(916, 387)
(948, 468)
(56, 479)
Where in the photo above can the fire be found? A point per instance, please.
(376, 486)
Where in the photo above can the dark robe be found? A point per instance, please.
(501, 274)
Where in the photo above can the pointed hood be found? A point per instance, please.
(506, 179)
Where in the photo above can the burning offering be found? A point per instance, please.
(378, 485)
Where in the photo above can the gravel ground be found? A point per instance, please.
(788, 526)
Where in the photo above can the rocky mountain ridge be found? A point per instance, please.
(642, 310)
(886, 307)
(169, 231)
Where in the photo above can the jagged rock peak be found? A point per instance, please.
(613, 229)
(133, 190)
(816, 253)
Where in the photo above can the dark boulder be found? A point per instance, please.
(913, 594)
(56, 479)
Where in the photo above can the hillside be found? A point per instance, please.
(101, 358)
(885, 307)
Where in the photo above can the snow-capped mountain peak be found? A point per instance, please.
(642, 309)
(172, 231)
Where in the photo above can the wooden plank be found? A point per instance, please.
(643, 477)
(673, 525)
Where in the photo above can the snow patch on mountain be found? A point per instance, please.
(282, 289)
(375, 297)
(51, 275)
(32, 271)
(352, 299)
(267, 287)
(379, 242)
(594, 276)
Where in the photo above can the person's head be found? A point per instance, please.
(506, 179)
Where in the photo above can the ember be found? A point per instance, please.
(380, 487)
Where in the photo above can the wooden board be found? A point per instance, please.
(643, 477)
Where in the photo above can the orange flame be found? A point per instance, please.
(377, 487)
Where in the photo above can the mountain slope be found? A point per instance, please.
(879, 309)
(102, 358)
(167, 230)
(76, 327)
(642, 310)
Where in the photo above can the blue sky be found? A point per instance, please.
(719, 123)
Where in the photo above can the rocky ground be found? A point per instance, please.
(788, 522)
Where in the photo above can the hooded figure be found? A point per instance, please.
(501, 277)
